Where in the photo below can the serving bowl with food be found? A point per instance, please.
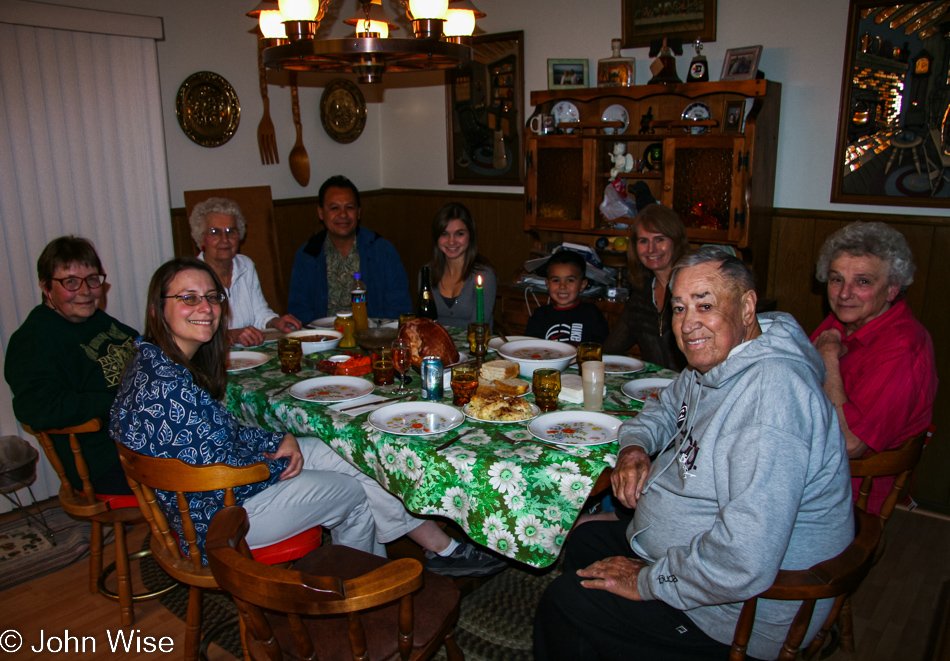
(488, 405)
(533, 355)
(313, 340)
(376, 338)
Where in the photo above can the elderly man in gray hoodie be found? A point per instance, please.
(749, 475)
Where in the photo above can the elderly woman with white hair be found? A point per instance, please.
(218, 227)
(882, 377)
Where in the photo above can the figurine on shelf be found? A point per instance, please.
(646, 121)
(663, 67)
(699, 67)
(622, 161)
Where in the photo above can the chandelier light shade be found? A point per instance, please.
(378, 23)
(428, 8)
(372, 51)
(299, 10)
(271, 22)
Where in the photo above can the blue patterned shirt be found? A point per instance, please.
(160, 412)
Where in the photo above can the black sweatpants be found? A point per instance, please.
(576, 623)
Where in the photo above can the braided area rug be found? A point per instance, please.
(495, 621)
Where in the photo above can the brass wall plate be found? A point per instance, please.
(343, 110)
(208, 109)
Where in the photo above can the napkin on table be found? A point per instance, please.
(365, 404)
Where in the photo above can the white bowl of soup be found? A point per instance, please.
(317, 339)
(534, 355)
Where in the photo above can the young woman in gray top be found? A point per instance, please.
(455, 265)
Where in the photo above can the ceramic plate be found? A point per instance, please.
(496, 342)
(695, 111)
(622, 365)
(575, 428)
(416, 418)
(641, 389)
(239, 361)
(565, 112)
(331, 389)
(616, 113)
(534, 414)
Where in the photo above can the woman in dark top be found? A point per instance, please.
(657, 241)
(455, 265)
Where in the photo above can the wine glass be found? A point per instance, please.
(402, 357)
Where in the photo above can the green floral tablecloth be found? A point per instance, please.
(508, 493)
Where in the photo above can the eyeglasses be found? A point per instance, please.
(225, 232)
(73, 284)
(194, 299)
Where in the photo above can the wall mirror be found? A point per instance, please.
(893, 142)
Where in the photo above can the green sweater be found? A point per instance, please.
(64, 373)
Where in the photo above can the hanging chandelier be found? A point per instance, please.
(442, 40)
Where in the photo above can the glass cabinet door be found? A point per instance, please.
(704, 181)
(558, 183)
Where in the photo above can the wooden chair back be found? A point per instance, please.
(83, 504)
(899, 462)
(834, 578)
(146, 474)
(257, 587)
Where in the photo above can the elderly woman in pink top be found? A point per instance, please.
(882, 377)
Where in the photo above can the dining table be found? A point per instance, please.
(506, 489)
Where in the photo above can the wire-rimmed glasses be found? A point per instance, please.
(192, 300)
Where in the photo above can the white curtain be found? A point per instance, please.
(81, 152)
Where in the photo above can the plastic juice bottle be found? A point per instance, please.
(358, 294)
(344, 323)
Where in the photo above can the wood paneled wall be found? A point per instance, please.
(404, 218)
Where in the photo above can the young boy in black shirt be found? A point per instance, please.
(567, 318)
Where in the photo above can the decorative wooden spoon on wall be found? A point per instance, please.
(299, 161)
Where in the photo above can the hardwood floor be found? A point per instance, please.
(896, 610)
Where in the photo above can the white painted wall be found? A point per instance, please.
(404, 145)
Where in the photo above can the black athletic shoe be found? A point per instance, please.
(466, 560)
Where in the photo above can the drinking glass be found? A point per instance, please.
(403, 318)
(547, 386)
(402, 358)
(592, 376)
(588, 351)
(381, 361)
(290, 353)
(464, 384)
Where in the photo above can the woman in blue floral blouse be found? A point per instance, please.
(168, 405)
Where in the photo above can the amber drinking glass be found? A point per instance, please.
(588, 351)
(290, 353)
(547, 387)
(464, 384)
(381, 361)
(403, 318)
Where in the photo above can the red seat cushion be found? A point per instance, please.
(117, 502)
(290, 549)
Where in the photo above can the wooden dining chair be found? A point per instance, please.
(336, 603)
(181, 559)
(900, 464)
(99, 510)
(834, 578)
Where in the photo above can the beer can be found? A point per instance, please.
(431, 371)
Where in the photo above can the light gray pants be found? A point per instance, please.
(332, 493)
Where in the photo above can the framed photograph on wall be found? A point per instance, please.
(741, 63)
(646, 20)
(568, 74)
(485, 113)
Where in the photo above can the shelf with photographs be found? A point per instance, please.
(706, 150)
